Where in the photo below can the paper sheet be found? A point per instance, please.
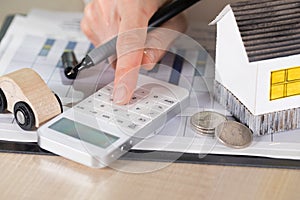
(27, 48)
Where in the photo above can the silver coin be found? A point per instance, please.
(234, 134)
(204, 132)
(207, 120)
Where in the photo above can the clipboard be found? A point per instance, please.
(158, 156)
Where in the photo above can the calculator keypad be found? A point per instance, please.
(144, 106)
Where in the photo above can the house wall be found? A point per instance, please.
(264, 105)
(233, 70)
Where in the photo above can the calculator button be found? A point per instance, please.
(140, 119)
(139, 108)
(79, 107)
(125, 126)
(107, 90)
(143, 93)
(150, 113)
(134, 99)
(146, 103)
(104, 116)
(100, 96)
(86, 110)
(88, 101)
(93, 112)
(102, 107)
(132, 126)
(132, 117)
(159, 107)
(119, 122)
(168, 101)
(155, 97)
(120, 112)
(158, 89)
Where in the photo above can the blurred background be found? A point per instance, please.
(198, 16)
(205, 11)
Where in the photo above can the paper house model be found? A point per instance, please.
(258, 63)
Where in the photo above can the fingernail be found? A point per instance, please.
(120, 94)
(149, 53)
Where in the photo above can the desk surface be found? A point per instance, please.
(51, 177)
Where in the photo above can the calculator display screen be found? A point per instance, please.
(83, 132)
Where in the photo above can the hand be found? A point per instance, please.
(104, 19)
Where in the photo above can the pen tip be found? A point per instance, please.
(70, 73)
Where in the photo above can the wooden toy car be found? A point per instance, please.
(27, 96)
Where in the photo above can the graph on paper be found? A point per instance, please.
(43, 55)
(193, 70)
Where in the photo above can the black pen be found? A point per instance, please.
(104, 51)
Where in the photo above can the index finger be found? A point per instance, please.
(130, 45)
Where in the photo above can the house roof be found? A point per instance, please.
(269, 28)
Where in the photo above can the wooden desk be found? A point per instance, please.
(53, 177)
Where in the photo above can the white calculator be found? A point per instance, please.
(95, 132)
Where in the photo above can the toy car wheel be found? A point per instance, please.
(24, 116)
(59, 101)
(3, 102)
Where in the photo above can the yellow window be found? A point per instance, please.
(293, 89)
(278, 76)
(285, 83)
(277, 92)
(294, 74)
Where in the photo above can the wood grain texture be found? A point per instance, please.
(51, 177)
(25, 85)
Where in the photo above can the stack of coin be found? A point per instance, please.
(234, 134)
(205, 122)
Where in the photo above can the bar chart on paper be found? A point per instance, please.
(42, 53)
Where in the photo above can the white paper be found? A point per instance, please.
(24, 50)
